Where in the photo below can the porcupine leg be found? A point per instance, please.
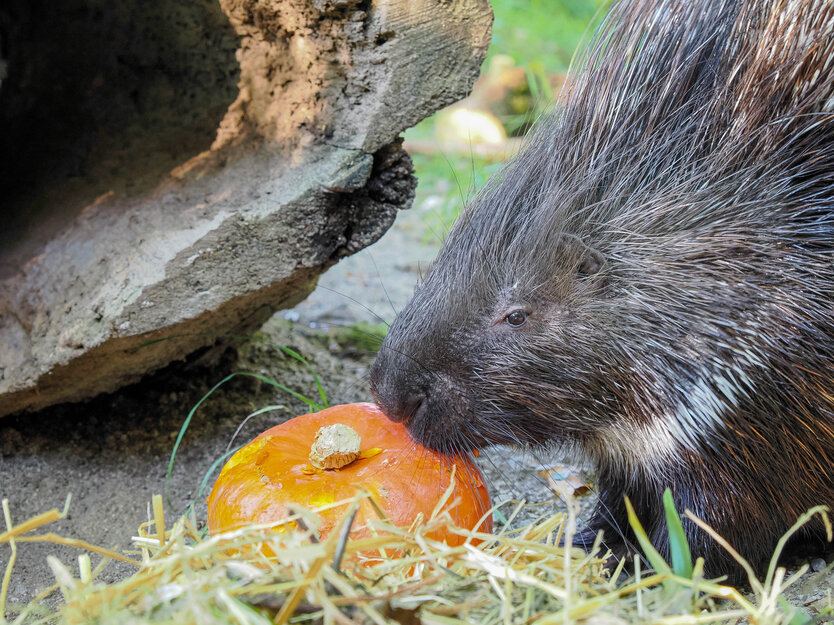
(610, 518)
(587, 537)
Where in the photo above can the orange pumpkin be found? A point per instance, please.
(404, 478)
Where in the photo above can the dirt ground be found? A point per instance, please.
(112, 452)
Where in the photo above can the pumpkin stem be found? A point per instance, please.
(335, 446)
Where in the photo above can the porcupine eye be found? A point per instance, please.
(516, 318)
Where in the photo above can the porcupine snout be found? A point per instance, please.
(413, 390)
(399, 390)
(421, 379)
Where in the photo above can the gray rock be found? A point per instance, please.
(180, 173)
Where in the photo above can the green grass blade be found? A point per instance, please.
(181, 434)
(314, 405)
(678, 545)
(214, 466)
(795, 614)
(652, 555)
(293, 354)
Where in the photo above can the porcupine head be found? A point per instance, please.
(649, 282)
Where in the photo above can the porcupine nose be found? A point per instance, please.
(411, 409)
(394, 389)
(403, 409)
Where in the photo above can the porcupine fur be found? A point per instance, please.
(650, 281)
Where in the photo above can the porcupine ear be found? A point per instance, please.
(592, 262)
(587, 260)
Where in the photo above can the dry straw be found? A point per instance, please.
(395, 575)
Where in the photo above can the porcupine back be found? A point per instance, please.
(650, 280)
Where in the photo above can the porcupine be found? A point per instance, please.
(649, 282)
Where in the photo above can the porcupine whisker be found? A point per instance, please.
(382, 285)
(461, 446)
(412, 359)
(614, 524)
(357, 302)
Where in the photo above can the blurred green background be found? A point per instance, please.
(540, 34)
(533, 42)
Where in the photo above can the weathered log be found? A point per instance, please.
(183, 169)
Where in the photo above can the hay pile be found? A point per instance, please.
(257, 575)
